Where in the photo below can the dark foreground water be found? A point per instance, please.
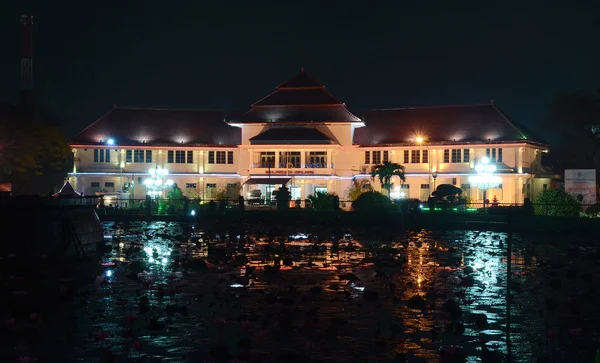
(371, 298)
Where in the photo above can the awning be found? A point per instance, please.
(268, 181)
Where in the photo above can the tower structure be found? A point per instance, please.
(26, 90)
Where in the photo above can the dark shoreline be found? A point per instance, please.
(398, 221)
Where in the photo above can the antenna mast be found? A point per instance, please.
(26, 90)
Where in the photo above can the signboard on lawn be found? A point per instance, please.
(581, 183)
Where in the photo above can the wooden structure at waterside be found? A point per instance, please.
(63, 226)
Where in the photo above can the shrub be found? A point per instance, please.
(373, 201)
(322, 201)
(557, 202)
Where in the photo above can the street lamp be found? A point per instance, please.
(485, 178)
(434, 175)
(156, 183)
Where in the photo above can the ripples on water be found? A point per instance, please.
(153, 301)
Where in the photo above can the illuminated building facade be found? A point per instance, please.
(302, 136)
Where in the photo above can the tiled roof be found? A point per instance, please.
(161, 127)
(300, 99)
(291, 135)
(298, 114)
(446, 124)
(301, 80)
(311, 96)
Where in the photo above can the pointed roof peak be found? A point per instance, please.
(301, 81)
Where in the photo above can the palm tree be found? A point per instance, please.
(385, 172)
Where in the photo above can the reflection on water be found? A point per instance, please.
(162, 299)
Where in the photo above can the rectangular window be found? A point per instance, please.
(493, 158)
(544, 187)
(221, 157)
(500, 155)
(386, 156)
(230, 157)
(404, 186)
(415, 156)
(95, 155)
(109, 184)
(138, 156)
(456, 156)
(148, 156)
(424, 186)
(453, 181)
(376, 157)
(107, 159)
(425, 158)
(367, 157)
(466, 156)
(406, 159)
(446, 155)
(190, 185)
(211, 157)
(95, 185)
(179, 157)
(190, 157)
(466, 188)
(487, 153)
(139, 180)
(101, 159)
(129, 156)
(211, 191)
(170, 157)
(315, 159)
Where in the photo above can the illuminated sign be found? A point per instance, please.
(287, 172)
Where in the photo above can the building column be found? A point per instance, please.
(276, 159)
(329, 158)
(201, 162)
(520, 160)
(159, 158)
(472, 158)
(302, 159)
(519, 190)
(435, 162)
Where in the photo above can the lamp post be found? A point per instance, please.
(485, 178)
(434, 175)
(157, 182)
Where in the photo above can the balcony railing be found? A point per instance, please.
(292, 165)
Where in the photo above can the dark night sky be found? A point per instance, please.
(228, 54)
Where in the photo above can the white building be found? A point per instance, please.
(302, 136)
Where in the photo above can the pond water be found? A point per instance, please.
(360, 298)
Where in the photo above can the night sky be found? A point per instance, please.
(228, 54)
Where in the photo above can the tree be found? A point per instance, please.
(372, 202)
(358, 187)
(283, 196)
(322, 201)
(557, 202)
(385, 172)
(446, 193)
(34, 154)
(571, 118)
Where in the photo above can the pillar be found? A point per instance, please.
(160, 158)
(519, 160)
(201, 161)
(276, 159)
(303, 159)
(471, 158)
(329, 158)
